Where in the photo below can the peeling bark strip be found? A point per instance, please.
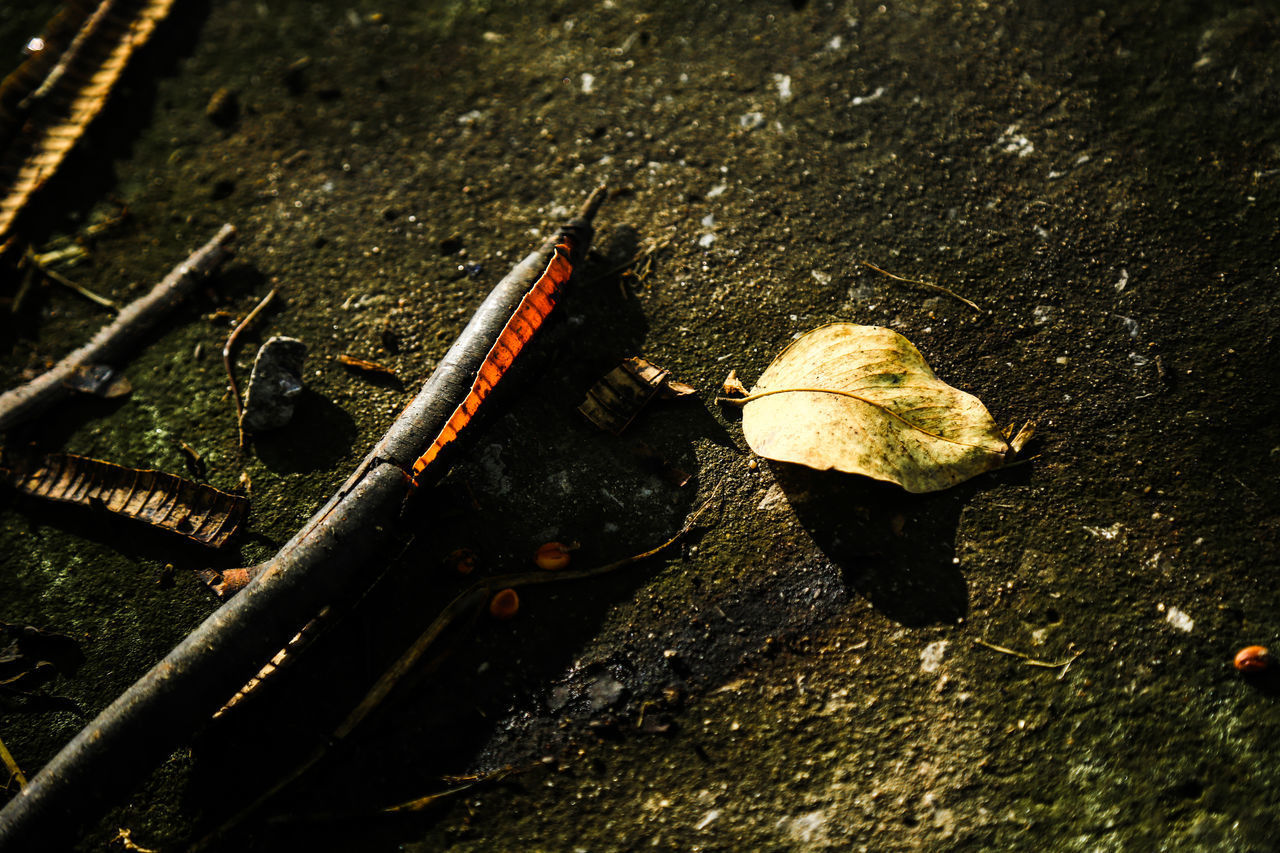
(200, 513)
(112, 341)
(158, 712)
(46, 104)
(532, 312)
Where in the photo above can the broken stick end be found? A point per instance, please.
(592, 204)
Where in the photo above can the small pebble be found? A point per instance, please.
(275, 385)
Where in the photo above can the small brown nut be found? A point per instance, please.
(554, 555)
(1252, 660)
(461, 560)
(505, 604)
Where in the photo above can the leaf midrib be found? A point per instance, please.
(773, 391)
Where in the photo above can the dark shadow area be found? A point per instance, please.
(893, 547)
(31, 659)
(440, 718)
(320, 433)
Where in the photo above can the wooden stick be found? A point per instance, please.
(15, 772)
(114, 340)
(229, 348)
(331, 552)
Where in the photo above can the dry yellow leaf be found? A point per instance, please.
(861, 399)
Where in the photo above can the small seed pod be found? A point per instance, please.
(554, 555)
(461, 560)
(505, 604)
(1252, 660)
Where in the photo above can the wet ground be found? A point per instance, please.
(816, 666)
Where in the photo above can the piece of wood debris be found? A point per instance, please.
(733, 385)
(366, 366)
(615, 401)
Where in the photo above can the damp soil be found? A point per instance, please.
(1037, 659)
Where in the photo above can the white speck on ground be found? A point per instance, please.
(931, 656)
(1012, 142)
(1179, 619)
(783, 82)
(859, 100)
(773, 498)
(808, 828)
(1105, 532)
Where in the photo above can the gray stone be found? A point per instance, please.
(275, 384)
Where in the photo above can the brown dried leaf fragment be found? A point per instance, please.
(733, 385)
(364, 365)
(200, 513)
(615, 401)
(862, 399)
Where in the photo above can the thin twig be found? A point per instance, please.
(15, 772)
(226, 359)
(1028, 659)
(125, 837)
(112, 341)
(929, 285)
(58, 278)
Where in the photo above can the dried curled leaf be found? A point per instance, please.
(861, 399)
(615, 401)
(198, 512)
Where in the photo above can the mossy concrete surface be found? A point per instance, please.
(1038, 659)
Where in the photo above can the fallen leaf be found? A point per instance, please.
(198, 512)
(861, 399)
(99, 380)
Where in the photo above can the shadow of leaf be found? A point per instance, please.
(895, 548)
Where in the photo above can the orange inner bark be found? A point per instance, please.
(528, 316)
